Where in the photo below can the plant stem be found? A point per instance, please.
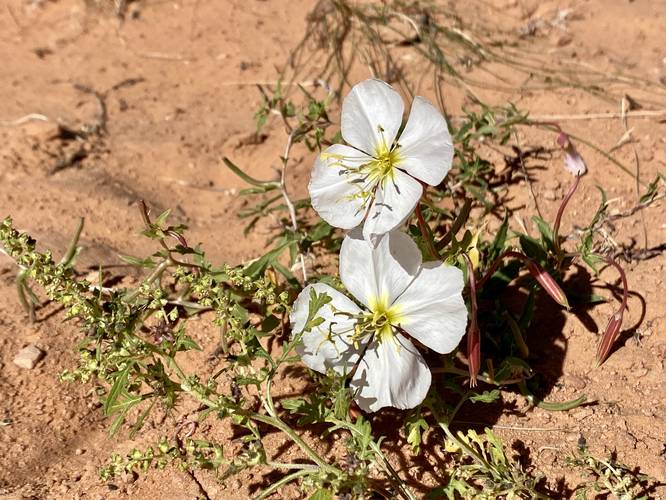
(273, 421)
(278, 484)
(282, 426)
(488, 380)
(287, 200)
(388, 468)
(473, 333)
(426, 233)
(444, 424)
(282, 465)
(457, 224)
(495, 265)
(558, 218)
(70, 253)
(154, 276)
(21, 288)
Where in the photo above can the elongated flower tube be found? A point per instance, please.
(400, 297)
(376, 178)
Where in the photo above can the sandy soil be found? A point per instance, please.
(178, 80)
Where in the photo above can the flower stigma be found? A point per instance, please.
(378, 322)
(370, 175)
(383, 164)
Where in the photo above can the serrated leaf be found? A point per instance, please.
(485, 397)
(415, 426)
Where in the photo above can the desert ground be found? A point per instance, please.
(172, 88)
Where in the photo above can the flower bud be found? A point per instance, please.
(573, 161)
(548, 283)
(473, 350)
(609, 336)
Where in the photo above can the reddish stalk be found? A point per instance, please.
(560, 212)
(544, 279)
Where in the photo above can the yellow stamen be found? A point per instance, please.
(383, 164)
(383, 317)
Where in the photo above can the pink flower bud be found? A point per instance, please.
(573, 161)
(609, 336)
(473, 350)
(548, 283)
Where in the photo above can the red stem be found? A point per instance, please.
(560, 212)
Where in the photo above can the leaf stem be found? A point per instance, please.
(278, 484)
(388, 468)
(426, 233)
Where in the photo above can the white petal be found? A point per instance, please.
(391, 373)
(383, 272)
(371, 115)
(394, 203)
(426, 146)
(332, 191)
(326, 345)
(432, 308)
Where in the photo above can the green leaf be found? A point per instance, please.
(187, 343)
(250, 180)
(136, 261)
(142, 418)
(651, 191)
(533, 249)
(545, 230)
(485, 397)
(322, 494)
(320, 231)
(118, 387)
(415, 425)
(270, 323)
(256, 268)
(161, 218)
(317, 301)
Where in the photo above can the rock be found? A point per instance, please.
(28, 357)
(129, 477)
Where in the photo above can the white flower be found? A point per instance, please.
(377, 177)
(400, 296)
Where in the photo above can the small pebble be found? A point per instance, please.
(129, 477)
(28, 357)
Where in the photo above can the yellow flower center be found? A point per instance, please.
(383, 317)
(374, 173)
(383, 164)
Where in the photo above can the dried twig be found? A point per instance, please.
(287, 200)
(24, 119)
(601, 116)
